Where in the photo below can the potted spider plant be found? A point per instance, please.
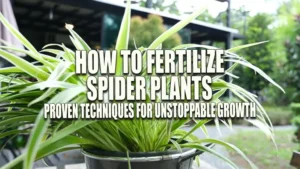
(135, 143)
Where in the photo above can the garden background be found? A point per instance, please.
(279, 57)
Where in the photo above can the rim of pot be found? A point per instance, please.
(152, 156)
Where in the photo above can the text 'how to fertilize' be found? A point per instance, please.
(160, 84)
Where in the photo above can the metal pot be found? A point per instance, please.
(97, 159)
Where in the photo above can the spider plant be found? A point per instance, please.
(52, 80)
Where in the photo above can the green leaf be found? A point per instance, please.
(11, 80)
(234, 49)
(12, 97)
(174, 29)
(12, 132)
(187, 46)
(24, 65)
(76, 43)
(258, 70)
(45, 95)
(35, 137)
(24, 41)
(48, 84)
(198, 125)
(17, 113)
(77, 38)
(9, 70)
(17, 119)
(230, 146)
(68, 55)
(41, 125)
(209, 150)
(65, 132)
(179, 123)
(123, 38)
(218, 95)
(68, 140)
(14, 87)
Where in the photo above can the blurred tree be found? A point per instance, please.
(259, 55)
(206, 17)
(239, 19)
(285, 27)
(285, 50)
(144, 31)
(162, 6)
(293, 60)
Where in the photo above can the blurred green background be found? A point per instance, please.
(279, 58)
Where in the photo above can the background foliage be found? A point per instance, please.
(150, 28)
(258, 55)
(161, 6)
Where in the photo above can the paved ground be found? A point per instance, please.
(208, 161)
